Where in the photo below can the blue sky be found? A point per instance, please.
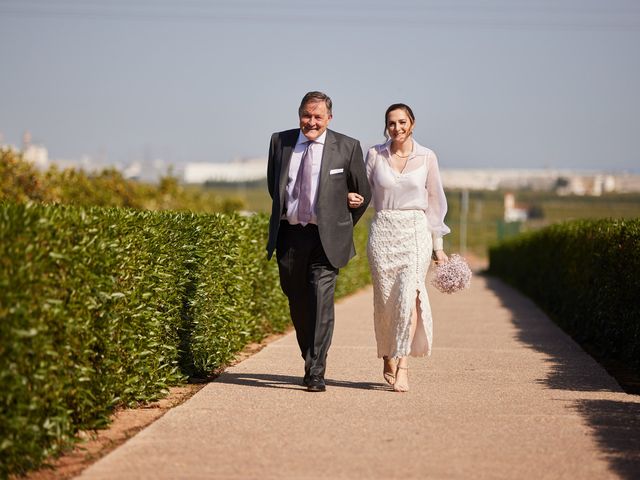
(493, 84)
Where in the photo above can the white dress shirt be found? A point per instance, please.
(317, 147)
(417, 187)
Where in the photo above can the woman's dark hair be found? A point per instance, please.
(398, 106)
(315, 97)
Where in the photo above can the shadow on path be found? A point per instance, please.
(288, 382)
(567, 371)
(615, 424)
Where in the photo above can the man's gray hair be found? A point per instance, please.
(315, 97)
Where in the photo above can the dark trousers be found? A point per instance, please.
(308, 280)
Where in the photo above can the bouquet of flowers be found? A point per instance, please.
(452, 276)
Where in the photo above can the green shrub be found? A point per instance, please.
(102, 307)
(586, 275)
(356, 274)
(106, 307)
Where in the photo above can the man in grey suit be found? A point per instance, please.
(311, 169)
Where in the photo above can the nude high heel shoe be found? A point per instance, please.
(401, 388)
(389, 368)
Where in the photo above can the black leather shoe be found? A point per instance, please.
(307, 376)
(316, 384)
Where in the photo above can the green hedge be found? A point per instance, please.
(586, 275)
(101, 307)
(356, 274)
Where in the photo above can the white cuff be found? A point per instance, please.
(438, 244)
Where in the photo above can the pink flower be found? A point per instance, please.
(452, 276)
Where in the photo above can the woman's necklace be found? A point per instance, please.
(404, 159)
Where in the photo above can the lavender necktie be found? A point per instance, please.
(302, 187)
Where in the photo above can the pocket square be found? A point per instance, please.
(336, 170)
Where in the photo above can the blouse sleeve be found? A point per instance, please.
(436, 202)
(370, 163)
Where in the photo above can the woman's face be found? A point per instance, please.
(399, 125)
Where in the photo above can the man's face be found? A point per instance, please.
(314, 119)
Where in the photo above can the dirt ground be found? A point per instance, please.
(125, 423)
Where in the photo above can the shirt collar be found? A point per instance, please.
(414, 148)
(321, 139)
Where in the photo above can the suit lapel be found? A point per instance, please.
(288, 143)
(327, 157)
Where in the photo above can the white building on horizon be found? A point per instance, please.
(562, 181)
(512, 211)
(38, 155)
(245, 170)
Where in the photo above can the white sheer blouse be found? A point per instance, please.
(417, 187)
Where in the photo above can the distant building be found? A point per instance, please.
(603, 184)
(246, 170)
(9, 147)
(563, 182)
(498, 179)
(512, 211)
(594, 185)
(133, 171)
(571, 185)
(627, 183)
(35, 154)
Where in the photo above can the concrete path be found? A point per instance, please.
(505, 395)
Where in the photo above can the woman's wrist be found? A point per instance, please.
(439, 256)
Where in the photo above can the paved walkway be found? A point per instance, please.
(505, 395)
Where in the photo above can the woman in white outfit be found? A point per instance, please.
(406, 231)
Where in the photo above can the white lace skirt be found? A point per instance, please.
(399, 252)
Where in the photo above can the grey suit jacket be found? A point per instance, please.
(335, 218)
